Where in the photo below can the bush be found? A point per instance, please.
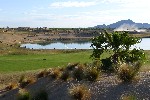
(55, 73)
(91, 74)
(120, 44)
(23, 95)
(43, 73)
(10, 86)
(71, 66)
(23, 82)
(41, 95)
(61, 69)
(78, 73)
(127, 72)
(79, 92)
(107, 65)
(97, 64)
(65, 75)
(21, 78)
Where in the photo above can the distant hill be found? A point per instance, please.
(119, 23)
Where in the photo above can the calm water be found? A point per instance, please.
(145, 44)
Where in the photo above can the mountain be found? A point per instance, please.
(119, 23)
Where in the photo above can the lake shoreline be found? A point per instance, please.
(76, 44)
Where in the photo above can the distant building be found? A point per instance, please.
(23, 28)
(45, 28)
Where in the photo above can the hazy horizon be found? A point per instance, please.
(71, 13)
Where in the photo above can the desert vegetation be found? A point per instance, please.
(122, 60)
(80, 92)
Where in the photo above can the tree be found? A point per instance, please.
(119, 43)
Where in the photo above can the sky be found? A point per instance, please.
(71, 13)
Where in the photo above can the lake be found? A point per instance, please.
(78, 45)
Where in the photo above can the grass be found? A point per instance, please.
(10, 63)
(40, 59)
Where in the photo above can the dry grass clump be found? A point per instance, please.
(55, 73)
(23, 82)
(127, 72)
(67, 72)
(23, 95)
(78, 72)
(97, 64)
(43, 73)
(80, 92)
(61, 69)
(71, 67)
(91, 74)
(11, 86)
(65, 75)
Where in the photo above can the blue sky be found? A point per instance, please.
(71, 13)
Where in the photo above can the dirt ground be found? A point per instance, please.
(8, 38)
(18, 38)
(7, 78)
(31, 37)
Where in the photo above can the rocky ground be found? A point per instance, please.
(108, 87)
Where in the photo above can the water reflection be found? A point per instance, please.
(59, 45)
(78, 45)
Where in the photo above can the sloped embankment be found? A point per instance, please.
(108, 87)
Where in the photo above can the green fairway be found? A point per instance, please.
(21, 62)
(9, 63)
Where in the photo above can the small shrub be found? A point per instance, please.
(107, 65)
(21, 78)
(43, 73)
(79, 92)
(91, 74)
(11, 86)
(71, 66)
(40, 75)
(23, 82)
(78, 73)
(61, 69)
(127, 72)
(97, 64)
(41, 95)
(23, 95)
(55, 73)
(65, 75)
